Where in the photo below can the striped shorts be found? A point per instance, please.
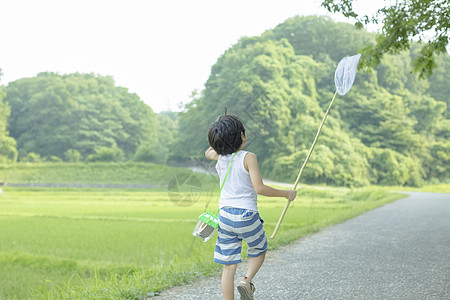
(235, 225)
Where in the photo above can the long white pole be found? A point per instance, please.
(303, 166)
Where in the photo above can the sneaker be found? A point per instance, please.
(246, 289)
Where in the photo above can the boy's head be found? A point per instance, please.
(226, 134)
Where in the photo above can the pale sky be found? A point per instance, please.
(160, 50)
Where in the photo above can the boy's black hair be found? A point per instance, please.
(224, 135)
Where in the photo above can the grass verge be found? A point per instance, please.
(98, 172)
(433, 188)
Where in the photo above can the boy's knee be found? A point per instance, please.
(230, 268)
(233, 266)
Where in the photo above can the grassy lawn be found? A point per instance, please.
(99, 172)
(434, 188)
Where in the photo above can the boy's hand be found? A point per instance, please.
(211, 154)
(291, 194)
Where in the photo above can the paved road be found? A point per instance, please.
(398, 251)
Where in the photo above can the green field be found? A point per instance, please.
(109, 243)
(435, 188)
(99, 172)
(80, 243)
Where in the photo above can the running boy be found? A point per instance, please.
(238, 217)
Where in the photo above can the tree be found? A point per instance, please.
(403, 22)
(8, 150)
(274, 92)
(320, 37)
(439, 87)
(72, 155)
(159, 150)
(51, 114)
(106, 154)
(389, 129)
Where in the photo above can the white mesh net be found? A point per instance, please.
(345, 73)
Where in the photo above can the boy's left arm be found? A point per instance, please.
(251, 163)
(211, 154)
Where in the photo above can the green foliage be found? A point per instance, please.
(106, 154)
(279, 84)
(167, 126)
(146, 153)
(320, 37)
(8, 151)
(54, 158)
(439, 82)
(392, 168)
(440, 153)
(95, 172)
(265, 83)
(52, 113)
(32, 157)
(72, 155)
(402, 22)
(159, 150)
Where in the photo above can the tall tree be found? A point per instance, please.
(387, 130)
(404, 21)
(51, 114)
(8, 151)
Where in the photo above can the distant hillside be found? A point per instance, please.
(389, 129)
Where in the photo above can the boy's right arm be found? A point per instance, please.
(251, 163)
(211, 154)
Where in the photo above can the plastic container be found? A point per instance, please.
(206, 226)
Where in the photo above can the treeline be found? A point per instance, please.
(390, 129)
(81, 117)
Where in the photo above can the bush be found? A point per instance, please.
(32, 157)
(156, 153)
(54, 158)
(440, 153)
(145, 153)
(8, 150)
(392, 168)
(72, 155)
(106, 154)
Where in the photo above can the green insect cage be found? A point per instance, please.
(206, 226)
(208, 223)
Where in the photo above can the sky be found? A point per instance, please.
(160, 50)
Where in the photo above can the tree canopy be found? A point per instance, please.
(8, 150)
(391, 128)
(403, 22)
(387, 129)
(55, 115)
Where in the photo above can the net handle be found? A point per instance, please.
(223, 183)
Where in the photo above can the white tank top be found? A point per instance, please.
(238, 190)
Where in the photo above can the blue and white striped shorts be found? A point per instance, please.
(235, 225)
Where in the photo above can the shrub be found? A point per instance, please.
(32, 157)
(72, 155)
(106, 154)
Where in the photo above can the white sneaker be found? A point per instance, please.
(246, 289)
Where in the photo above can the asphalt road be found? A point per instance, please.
(398, 251)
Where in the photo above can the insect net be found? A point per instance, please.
(345, 74)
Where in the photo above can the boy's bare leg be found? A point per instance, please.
(254, 264)
(228, 273)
